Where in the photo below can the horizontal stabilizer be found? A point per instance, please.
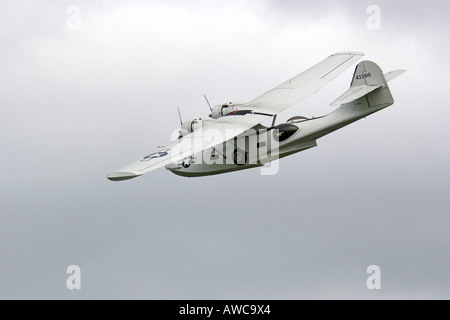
(354, 93)
(394, 74)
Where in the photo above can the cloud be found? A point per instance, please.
(76, 104)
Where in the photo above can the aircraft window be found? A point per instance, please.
(297, 119)
(284, 131)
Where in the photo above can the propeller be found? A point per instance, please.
(179, 115)
(209, 105)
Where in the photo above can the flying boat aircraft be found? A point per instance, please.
(234, 137)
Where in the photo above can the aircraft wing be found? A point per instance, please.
(213, 133)
(304, 84)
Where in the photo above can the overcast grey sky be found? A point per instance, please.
(76, 104)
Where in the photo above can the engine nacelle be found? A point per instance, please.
(222, 110)
(190, 126)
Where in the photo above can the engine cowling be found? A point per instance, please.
(222, 110)
(190, 126)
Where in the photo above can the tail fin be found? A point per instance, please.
(367, 78)
(367, 73)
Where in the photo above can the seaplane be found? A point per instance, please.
(245, 135)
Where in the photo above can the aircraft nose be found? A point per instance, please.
(121, 175)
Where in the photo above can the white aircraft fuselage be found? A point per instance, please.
(303, 138)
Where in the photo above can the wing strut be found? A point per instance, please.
(273, 121)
